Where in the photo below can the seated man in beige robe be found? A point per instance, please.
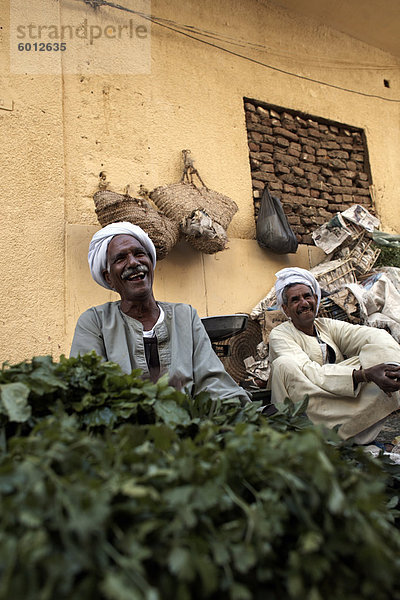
(344, 369)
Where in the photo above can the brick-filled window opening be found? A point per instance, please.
(316, 167)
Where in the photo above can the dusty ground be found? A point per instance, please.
(391, 429)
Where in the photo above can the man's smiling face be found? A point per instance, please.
(301, 307)
(130, 268)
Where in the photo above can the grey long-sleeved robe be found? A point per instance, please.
(184, 348)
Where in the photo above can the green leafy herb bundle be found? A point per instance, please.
(114, 488)
(389, 257)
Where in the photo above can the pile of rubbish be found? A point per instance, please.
(351, 289)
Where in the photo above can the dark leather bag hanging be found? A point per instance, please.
(273, 230)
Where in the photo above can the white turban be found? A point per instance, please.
(293, 275)
(97, 256)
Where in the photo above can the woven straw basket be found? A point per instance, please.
(179, 200)
(208, 245)
(111, 207)
(203, 215)
(241, 346)
(203, 233)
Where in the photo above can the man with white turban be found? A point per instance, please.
(137, 332)
(333, 362)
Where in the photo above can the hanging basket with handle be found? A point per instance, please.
(202, 214)
(111, 207)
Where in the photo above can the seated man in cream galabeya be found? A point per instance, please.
(343, 368)
(139, 332)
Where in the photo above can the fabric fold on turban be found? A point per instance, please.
(98, 246)
(291, 275)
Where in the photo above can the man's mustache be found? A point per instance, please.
(134, 271)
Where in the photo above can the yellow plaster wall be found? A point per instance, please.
(64, 129)
(32, 251)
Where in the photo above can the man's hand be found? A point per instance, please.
(176, 382)
(385, 376)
